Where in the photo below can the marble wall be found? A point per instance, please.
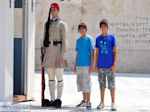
(128, 20)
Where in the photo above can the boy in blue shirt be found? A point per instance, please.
(84, 62)
(105, 65)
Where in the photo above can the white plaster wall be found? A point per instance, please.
(6, 52)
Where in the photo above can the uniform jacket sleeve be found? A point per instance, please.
(64, 37)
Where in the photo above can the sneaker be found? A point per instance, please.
(81, 104)
(113, 107)
(100, 106)
(88, 105)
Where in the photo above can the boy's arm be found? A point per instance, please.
(92, 61)
(113, 68)
(96, 60)
(75, 64)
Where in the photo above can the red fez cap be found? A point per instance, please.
(54, 5)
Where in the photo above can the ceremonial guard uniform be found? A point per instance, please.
(55, 51)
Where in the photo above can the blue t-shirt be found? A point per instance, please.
(106, 54)
(84, 47)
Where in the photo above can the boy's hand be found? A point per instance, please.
(113, 68)
(90, 69)
(96, 69)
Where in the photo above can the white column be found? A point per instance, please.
(29, 30)
(6, 51)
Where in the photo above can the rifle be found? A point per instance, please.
(45, 102)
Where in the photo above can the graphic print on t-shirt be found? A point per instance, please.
(103, 45)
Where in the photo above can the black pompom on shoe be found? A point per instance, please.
(58, 103)
(45, 103)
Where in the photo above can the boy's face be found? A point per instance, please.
(82, 30)
(104, 28)
(54, 12)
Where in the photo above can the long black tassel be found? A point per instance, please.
(46, 38)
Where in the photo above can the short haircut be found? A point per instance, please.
(83, 25)
(103, 21)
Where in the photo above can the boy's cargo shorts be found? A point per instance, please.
(83, 79)
(103, 73)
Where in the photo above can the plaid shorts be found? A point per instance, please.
(83, 79)
(103, 73)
